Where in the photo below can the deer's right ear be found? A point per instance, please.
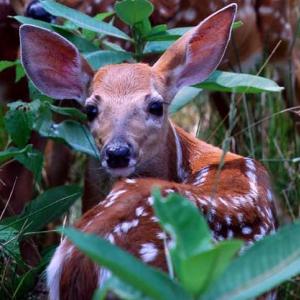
(54, 64)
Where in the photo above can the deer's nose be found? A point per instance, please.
(118, 155)
(36, 11)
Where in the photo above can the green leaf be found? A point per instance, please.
(5, 64)
(183, 97)
(197, 273)
(238, 83)
(39, 23)
(120, 289)
(101, 58)
(82, 44)
(132, 12)
(20, 73)
(82, 20)
(12, 152)
(237, 25)
(19, 124)
(157, 47)
(266, 264)
(69, 111)
(46, 208)
(9, 240)
(182, 220)
(73, 133)
(32, 159)
(151, 282)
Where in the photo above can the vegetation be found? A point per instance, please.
(258, 123)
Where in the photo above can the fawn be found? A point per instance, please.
(265, 24)
(127, 108)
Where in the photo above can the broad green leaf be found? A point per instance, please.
(266, 264)
(101, 58)
(39, 23)
(157, 47)
(197, 273)
(5, 64)
(32, 159)
(182, 220)
(69, 111)
(82, 44)
(9, 240)
(238, 83)
(20, 73)
(46, 208)
(12, 152)
(183, 97)
(19, 124)
(120, 289)
(73, 133)
(151, 282)
(133, 11)
(82, 20)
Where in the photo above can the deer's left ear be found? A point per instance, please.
(197, 53)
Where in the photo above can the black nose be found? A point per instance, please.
(36, 11)
(118, 155)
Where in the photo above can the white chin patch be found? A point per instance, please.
(121, 172)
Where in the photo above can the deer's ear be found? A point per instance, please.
(197, 53)
(54, 64)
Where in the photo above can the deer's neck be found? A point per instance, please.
(181, 156)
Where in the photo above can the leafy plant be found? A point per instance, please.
(204, 269)
(94, 37)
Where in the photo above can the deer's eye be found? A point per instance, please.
(91, 112)
(156, 108)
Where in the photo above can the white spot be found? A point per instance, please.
(246, 230)
(228, 220)
(161, 235)
(148, 252)
(130, 181)
(112, 197)
(150, 200)
(111, 238)
(139, 211)
(125, 226)
(168, 191)
(154, 219)
(201, 177)
(224, 202)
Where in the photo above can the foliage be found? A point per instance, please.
(275, 144)
(203, 269)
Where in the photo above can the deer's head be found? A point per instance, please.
(126, 104)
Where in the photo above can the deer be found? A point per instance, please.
(127, 105)
(266, 23)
